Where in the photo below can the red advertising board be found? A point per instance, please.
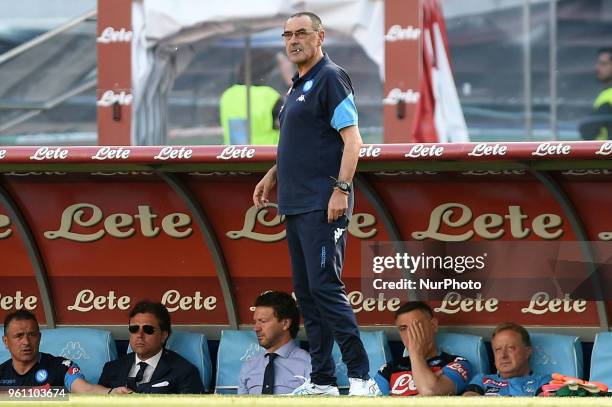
(114, 51)
(114, 225)
(403, 55)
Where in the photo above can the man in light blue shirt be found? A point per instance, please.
(283, 366)
(512, 348)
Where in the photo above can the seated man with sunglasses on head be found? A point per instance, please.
(151, 368)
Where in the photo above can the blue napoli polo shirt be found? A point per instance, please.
(495, 385)
(316, 108)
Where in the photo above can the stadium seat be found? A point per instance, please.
(601, 359)
(193, 346)
(377, 348)
(553, 353)
(89, 348)
(471, 347)
(235, 347)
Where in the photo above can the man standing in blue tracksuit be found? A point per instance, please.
(317, 156)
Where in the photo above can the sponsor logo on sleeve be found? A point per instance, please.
(459, 368)
(73, 370)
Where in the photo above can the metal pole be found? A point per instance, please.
(527, 69)
(48, 105)
(553, 69)
(46, 36)
(247, 82)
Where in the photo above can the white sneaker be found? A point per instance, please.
(308, 388)
(361, 387)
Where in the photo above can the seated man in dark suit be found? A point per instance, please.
(151, 368)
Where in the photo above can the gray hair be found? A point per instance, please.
(317, 25)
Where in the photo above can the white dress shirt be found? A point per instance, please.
(152, 364)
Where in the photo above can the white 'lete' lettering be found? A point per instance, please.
(49, 153)
(230, 152)
(167, 153)
(107, 153)
(483, 149)
(109, 34)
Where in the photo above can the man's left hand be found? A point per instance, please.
(337, 206)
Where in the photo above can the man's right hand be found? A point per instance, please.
(263, 188)
(420, 339)
(121, 390)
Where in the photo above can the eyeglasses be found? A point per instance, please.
(147, 329)
(299, 34)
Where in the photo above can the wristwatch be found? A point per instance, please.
(343, 186)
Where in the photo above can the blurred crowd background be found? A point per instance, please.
(524, 70)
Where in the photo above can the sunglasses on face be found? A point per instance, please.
(147, 329)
